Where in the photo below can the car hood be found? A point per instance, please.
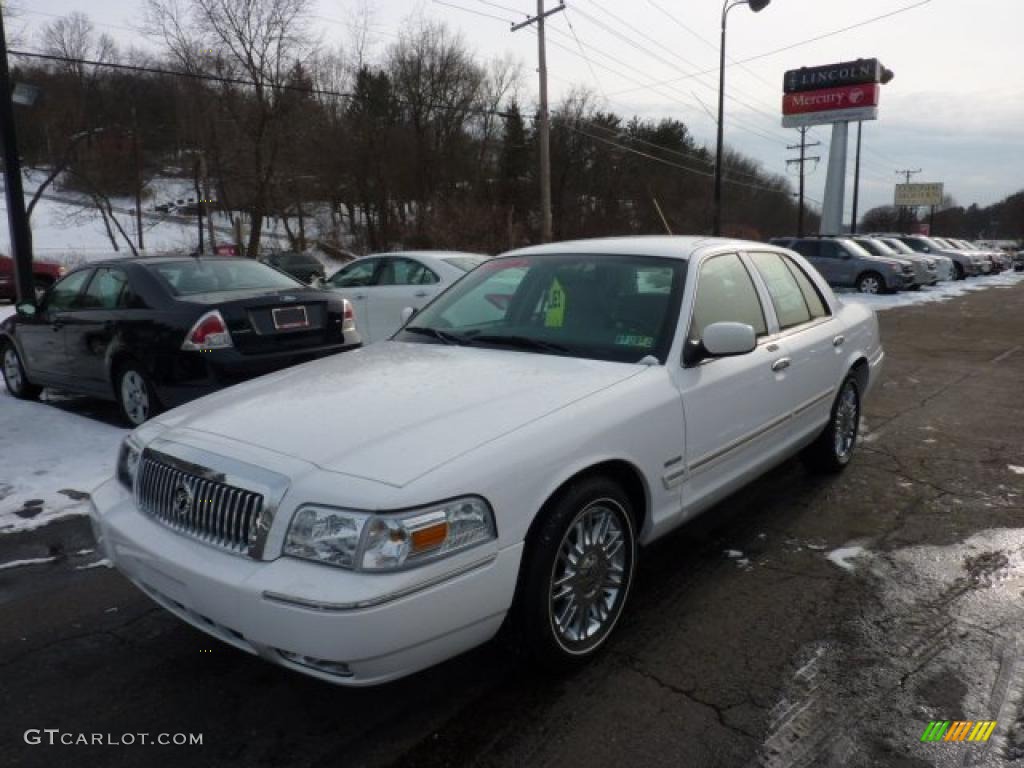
(396, 410)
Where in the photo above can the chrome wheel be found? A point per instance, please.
(12, 371)
(870, 284)
(589, 576)
(847, 420)
(134, 397)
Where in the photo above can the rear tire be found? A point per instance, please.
(577, 572)
(14, 374)
(833, 449)
(135, 394)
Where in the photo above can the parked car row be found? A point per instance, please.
(887, 263)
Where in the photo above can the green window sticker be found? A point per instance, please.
(625, 340)
(554, 313)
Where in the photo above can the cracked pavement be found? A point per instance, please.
(774, 657)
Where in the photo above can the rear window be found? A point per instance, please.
(465, 263)
(194, 276)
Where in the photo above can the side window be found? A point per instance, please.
(406, 272)
(808, 248)
(105, 289)
(830, 249)
(725, 293)
(64, 295)
(815, 301)
(356, 275)
(790, 306)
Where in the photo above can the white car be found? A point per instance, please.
(365, 516)
(382, 285)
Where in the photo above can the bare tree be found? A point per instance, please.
(73, 38)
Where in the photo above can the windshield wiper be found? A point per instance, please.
(520, 342)
(444, 336)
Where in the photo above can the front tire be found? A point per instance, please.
(577, 572)
(14, 374)
(958, 271)
(833, 450)
(135, 395)
(870, 283)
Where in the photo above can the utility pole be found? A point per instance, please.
(856, 181)
(199, 203)
(544, 128)
(802, 161)
(17, 220)
(138, 176)
(906, 173)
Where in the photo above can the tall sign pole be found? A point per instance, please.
(17, 220)
(543, 120)
(835, 181)
(856, 181)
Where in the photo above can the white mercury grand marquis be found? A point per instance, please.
(505, 454)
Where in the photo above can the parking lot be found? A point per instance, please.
(804, 621)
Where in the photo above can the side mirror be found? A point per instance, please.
(407, 314)
(729, 339)
(26, 309)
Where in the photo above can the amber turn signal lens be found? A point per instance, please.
(429, 537)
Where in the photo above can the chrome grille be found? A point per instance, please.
(214, 512)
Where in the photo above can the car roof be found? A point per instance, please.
(666, 246)
(425, 254)
(162, 259)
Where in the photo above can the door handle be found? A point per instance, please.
(781, 364)
(838, 341)
(420, 294)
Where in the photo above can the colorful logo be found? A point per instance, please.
(958, 730)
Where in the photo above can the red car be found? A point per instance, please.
(44, 274)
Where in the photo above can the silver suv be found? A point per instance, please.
(844, 264)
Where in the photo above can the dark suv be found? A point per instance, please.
(844, 264)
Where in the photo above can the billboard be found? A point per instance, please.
(847, 103)
(916, 195)
(856, 72)
(835, 93)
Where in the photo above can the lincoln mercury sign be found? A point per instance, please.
(917, 195)
(838, 93)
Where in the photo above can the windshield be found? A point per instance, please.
(187, 278)
(465, 263)
(898, 245)
(606, 307)
(855, 248)
(875, 247)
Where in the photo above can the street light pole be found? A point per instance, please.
(21, 236)
(756, 6)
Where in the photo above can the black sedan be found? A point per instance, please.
(154, 332)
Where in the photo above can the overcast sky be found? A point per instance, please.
(955, 109)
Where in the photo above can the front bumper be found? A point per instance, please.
(370, 628)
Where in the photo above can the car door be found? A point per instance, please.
(355, 283)
(42, 337)
(733, 406)
(401, 282)
(91, 327)
(813, 345)
(812, 251)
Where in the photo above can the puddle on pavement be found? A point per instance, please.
(936, 636)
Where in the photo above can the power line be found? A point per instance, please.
(797, 44)
(586, 58)
(472, 11)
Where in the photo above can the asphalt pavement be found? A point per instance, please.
(805, 621)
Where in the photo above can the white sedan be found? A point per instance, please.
(505, 456)
(380, 286)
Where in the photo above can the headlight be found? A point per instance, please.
(389, 542)
(128, 462)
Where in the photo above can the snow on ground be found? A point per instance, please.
(941, 292)
(51, 458)
(844, 555)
